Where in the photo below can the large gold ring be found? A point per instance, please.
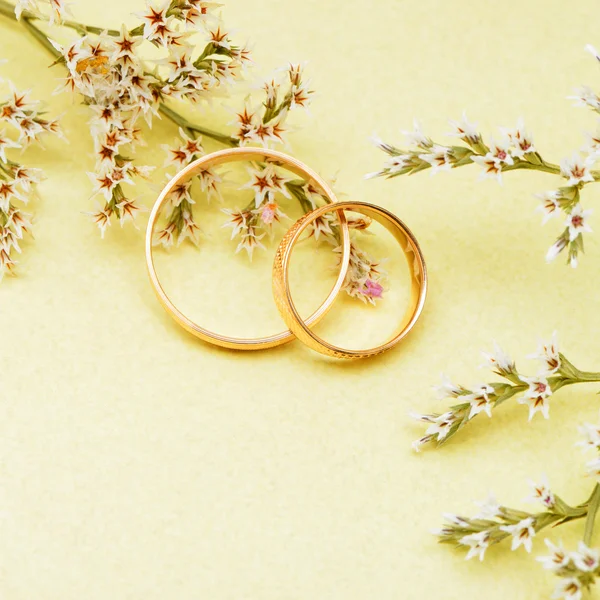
(281, 284)
(239, 154)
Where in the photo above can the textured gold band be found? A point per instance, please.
(281, 284)
(211, 160)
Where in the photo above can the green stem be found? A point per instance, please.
(192, 128)
(40, 37)
(593, 506)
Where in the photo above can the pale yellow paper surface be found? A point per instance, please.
(136, 462)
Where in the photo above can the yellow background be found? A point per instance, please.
(137, 462)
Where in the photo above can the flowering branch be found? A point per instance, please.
(21, 124)
(533, 391)
(513, 150)
(106, 68)
(495, 523)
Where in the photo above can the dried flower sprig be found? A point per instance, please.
(513, 149)
(106, 67)
(495, 523)
(22, 123)
(535, 391)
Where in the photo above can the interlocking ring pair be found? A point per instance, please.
(298, 327)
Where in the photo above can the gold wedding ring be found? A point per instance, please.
(281, 284)
(239, 154)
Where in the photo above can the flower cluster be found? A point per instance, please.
(513, 149)
(495, 523)
(535, 392)
(22, 123)
(107, 69)
(267, 127)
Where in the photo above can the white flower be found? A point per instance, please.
(442, 425)
(548, 354)
(480, 400)
(491, 167)
(577, 222)
(550, 205)
(418, 444)
(5, 143)
(586, 559)
(124, 52)
(266, 182)
(395, 164)
(478, 543)
(270, 213)
(536, 397)
(498, 360)
(592, 467)
(439, 159)
(447, 389)
(250, 241)
(591, 435)
(585, 96)
(522, 533)
(592, 51)
(556, 249)
(520, 139)
(26, 5)
(237, 220)
(490, 508)
(558, 558)
(541, 492)
(577, 169)
(569, 588)
(465, 131)
(416, 137)
(501, 151)
(321, 226)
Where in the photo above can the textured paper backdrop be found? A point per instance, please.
(136, 462)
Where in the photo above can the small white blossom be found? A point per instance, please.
(266, 182)
(586, 559)
(577, 169)
(556, 249)
(592, 51)
(439, 159)
(489, 509)
(541, 492)
(585, 96)
(548, 355)
(520, 139)
(478, 543)
(590, 434)
(465, 130)
(480, 400)
(569, 588)
(447, 389)
(522, 533)
(536, 397)
(558, 558)
(442, 425)
(498, 360)
(550, 205)
(592, 468)
(491, 167)
(577, 222)
(417, 138)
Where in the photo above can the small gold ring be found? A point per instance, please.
(238, 154)
(281, 284)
